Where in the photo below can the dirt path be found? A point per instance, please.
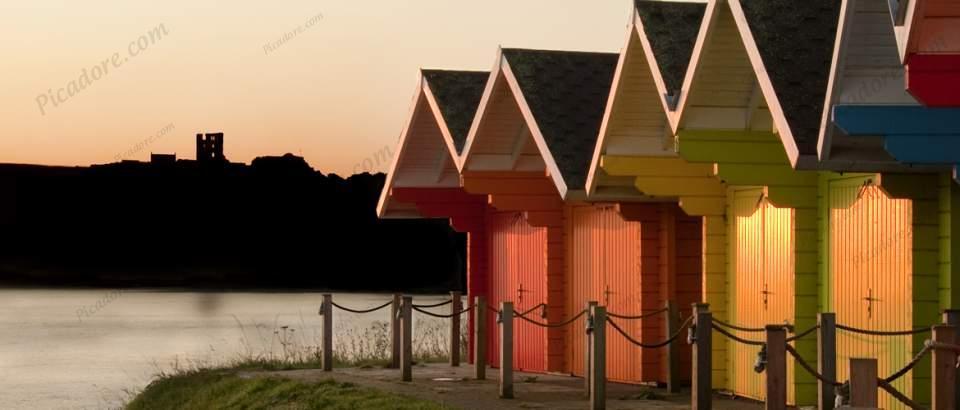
(454, 387)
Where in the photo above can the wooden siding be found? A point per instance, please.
(725, 93)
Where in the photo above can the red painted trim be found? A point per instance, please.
(934, 79)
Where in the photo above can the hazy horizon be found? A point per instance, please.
(329, 81)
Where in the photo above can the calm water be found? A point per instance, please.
(86, 349)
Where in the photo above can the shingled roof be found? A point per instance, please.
(796, 41)
(458, 94)
(672, 28)
(567, 94)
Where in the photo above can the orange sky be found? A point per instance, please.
(337, 92)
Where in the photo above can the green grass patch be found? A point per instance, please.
(224, 389)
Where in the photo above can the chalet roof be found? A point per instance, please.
(796, 41)
(458, 94)
(567, 95)
(672, 29)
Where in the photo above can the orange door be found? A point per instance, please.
(871, 259)
(763, 288)
(620, 248)
(605, 267)
(528, 253)
(585, 265)
(518, 261)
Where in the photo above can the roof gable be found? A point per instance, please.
(671, 28)
(457, 94)
(566, 93)
(795, 41)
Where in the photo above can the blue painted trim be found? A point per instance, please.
(879, 120)
(924, 149)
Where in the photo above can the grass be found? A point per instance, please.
(202, 385)
(224, 389)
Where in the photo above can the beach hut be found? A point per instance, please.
(529, 151)
(928, 41)
(750, 107)
(872, 123)
(637, 147)
(636, 131)
(524, 152)
(424, 182)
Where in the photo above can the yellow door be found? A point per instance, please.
(871, 259)
(763, 288)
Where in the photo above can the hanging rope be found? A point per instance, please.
(740, 328)
(442, 316)
(916, 331)
(641, 316)
(444, 303)
(528, 311)
(669, 340)
(913, 363)
(899, 396)
(802, 334)
(361, 311)
(803, 363)
(553, 325)
(722, 331)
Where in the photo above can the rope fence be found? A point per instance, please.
(637, 317)
(806, 366)
(668, 341)
(916, 331)
(444, 303)
(733, 337)
(803, 334)
(361, 311)
(748, 329)
(440, 315)
(552, 325)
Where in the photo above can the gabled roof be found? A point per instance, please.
(567, 93)
(671, 28)
(458, 94)
(795, 41)
(427, 155)
(562, 96)
(789, 48)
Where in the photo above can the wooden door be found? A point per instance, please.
(763, 288)
(871, 259)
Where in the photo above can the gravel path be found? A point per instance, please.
(454, 387)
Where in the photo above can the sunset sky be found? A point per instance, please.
(329, 80)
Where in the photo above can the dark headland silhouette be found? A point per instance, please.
(210, 223)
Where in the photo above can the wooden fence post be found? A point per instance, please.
(863, 383)
(776, 370)
(506, 350)
(702, 389)
(944, 369)
(326, 309)
(673, 349)
(952, 318)
(827, 359)
(598, 359)
(587, 350)
(395, 332)
(480, 338)
(406, 350)
(455, 307)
